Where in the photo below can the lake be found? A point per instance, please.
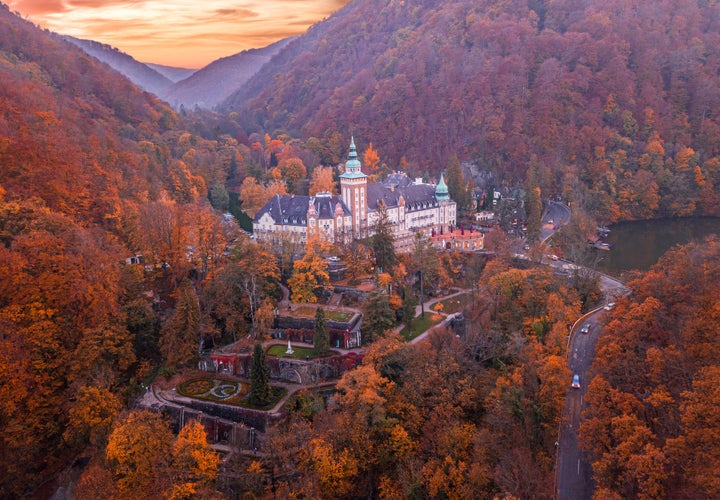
(639, 244)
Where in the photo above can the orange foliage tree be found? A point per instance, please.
(647, 426)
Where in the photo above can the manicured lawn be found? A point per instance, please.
(309, 312)
(298, 352)
(455, 304)
(419, 325)
(340, 316)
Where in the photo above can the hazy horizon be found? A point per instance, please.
(180, 33)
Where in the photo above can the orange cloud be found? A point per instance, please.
(183, 33)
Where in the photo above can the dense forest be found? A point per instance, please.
(652, 416)
(92, 172)
(116, 263)
(611, 103)
(399, 429)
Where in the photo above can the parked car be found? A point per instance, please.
(585, 328)
(576, 381)
(334, 259)
(609, 306)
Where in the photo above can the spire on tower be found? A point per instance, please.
(352, 165)
(441, 191)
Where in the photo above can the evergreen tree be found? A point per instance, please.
(456, 182)
(409, 303)
(321, 343)
(180, 337)
(233, 166)
(383, 242)
(219, 197)
(425, 264)
(377, 316)
(259, 377)
(533, 205)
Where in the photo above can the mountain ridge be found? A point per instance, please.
(139, 73)
(542, 85)
(212, 84)
(172, 73)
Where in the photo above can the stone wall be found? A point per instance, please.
(297, 323)
(351, 293)
(199, 410)
(312, 371)
(239, 431)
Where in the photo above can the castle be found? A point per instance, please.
(411, 207)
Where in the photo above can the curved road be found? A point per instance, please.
(574, 474)
(556, 214)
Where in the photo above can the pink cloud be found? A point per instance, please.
(169, 31)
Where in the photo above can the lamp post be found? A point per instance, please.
(556, 471)
(422, 294)
(420, 252)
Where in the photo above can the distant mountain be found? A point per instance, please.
(140, 74)
(171, 73)
(562, 86)
(212, 84)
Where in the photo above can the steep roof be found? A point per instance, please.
(416, 196)
(292, 210)
(441, 191)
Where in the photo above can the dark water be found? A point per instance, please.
(639, 245)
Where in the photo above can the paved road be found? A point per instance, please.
(556, 214)
(574, 475)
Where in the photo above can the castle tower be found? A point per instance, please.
(353, 185)
(442, 195)
(312, 218)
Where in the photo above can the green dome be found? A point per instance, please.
(352, 165)
(441, 191)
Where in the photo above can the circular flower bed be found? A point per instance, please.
(225, 391)
(195, 387)
(229, 392)
(212, 389)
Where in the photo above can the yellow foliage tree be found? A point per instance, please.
(322, 181)
(252, 196)
(194, 463)
(336, 470)
(294, 172)
(91, 416)
(371, 159)
(138, 451)
(309, 273)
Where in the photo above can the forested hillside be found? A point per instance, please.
(215, 82)
(652, 417)
(472, 416)
(92, 171)
(609, 103)
(140, 74)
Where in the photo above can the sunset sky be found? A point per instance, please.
(183, 33)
